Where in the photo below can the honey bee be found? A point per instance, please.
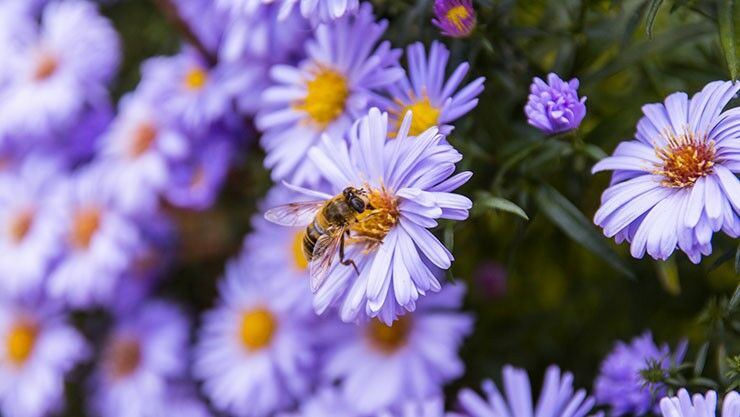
(328, 224)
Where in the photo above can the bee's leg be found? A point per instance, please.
(341, 255)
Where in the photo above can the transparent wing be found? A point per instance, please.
(294, 214)
(324, 251)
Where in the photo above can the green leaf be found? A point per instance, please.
(650, 17)
(574, 224)
(727, 35)
(497, 203)
(701, 359)
(735, 300)
(668, 275)
(737, 260)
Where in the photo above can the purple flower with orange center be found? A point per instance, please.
(434, 101)
(455, 18)
(554, 107)
(254, 353)
(196, 181)
(37, 349)
(676, 183)
(381, 366)
(143, 356)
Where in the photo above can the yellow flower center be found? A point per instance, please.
(20, 342)
(301, 263)
(85, 224)
(46, 66)
(327, 94)
(195, 79)
(122, 356)
(378, 219)
(685, 160)
(142, 139)
(257, 329)
(20, 225)
(457, 15)
(388, 339)
(424, 116)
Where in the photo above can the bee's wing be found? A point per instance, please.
(294, 214)
(323, 255)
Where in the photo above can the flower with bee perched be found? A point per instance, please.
(375, 255)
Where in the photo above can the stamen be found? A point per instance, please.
(685, 158)
(424, 116)
(326, 97)
(143, 138)
(46, 66)
(457, 15)
(389, 339)
(257, 329)
(123, 356)
(20, 342)
(378, 219)
(85, 224)
(21, 225)
(196, 78)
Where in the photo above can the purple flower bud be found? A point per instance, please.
(455, 18)
(554, 107)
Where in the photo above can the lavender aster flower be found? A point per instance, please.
(323, 10)
(425, 93)
(409, 183)
(433, 407)
(455, 18)
(145, 353)
(383, 366)
(557, 398)
(701, 405)
(329, 90)
(555, 107)
(620, 384)
(327, 401)
(676, 183)
(58, 69)
(254, 352)
(195, 183)
(38, 348)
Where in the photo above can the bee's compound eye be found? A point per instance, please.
(357, 204)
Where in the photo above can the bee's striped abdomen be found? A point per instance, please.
(313, 233)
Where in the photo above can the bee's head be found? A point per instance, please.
(356, 198)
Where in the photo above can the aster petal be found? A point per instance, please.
(730, 184)
(429, 245)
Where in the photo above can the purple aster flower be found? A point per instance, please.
(29, 236)
(557, 398)
(409, 184)
(139, 150)
(433, 407)
(554, 107)
(683, 405)
(425, 93)
(182, 401)
(455, 18)
(324, 10)
(326, 402)
(254, 351)
(382, 366)
(59, 68)
(326, 93)
(675, 183)
(97, 240)
(195, 182)
(38, 348)
(620, 384)
(146, 352)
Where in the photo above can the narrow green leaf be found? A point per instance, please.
(497, 203)
(701, 359)
(728, 40)
(737, 260)
(650, 17)
(735, 300)
(668, 275)
(574, 224)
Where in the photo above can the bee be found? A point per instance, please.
(328, 225)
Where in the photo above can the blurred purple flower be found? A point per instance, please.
(327, 401)
(254, 351)
(423, 91)
(620, 384)
(144, 355)
(182, 401)
(56, 70)
(98, 240)
(683, 405)
(555, 107)
(195, 182)
(325, 94)
(433, 407)
(37, 349)
(314, 10)
(557, 398)
(409, 182)
(455, 18)
(382, 366)
(676, 183)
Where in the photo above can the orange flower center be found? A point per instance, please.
(20, 225)
(424, 116)
(326, 97)
(388, 339)
(380, 216)
(20, 342)
(195, 79)
(685, 159)
(86, 224)
(257, 329)
(46, 66)
(142, 139)
(122, 356)
(457, 15)
(299, 258)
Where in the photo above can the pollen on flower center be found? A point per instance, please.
(388, 339)
(257, 329)
(424, 116)
(20, 225)
(20, 342)
(301, 263)
(196, 78)
(326, 97)
(457, 15)
(46, 66)
(142, 139)
(379, 218)
(123, 356)
(685, 159)
(85, 224)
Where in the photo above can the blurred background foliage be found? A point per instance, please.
(550, 289)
